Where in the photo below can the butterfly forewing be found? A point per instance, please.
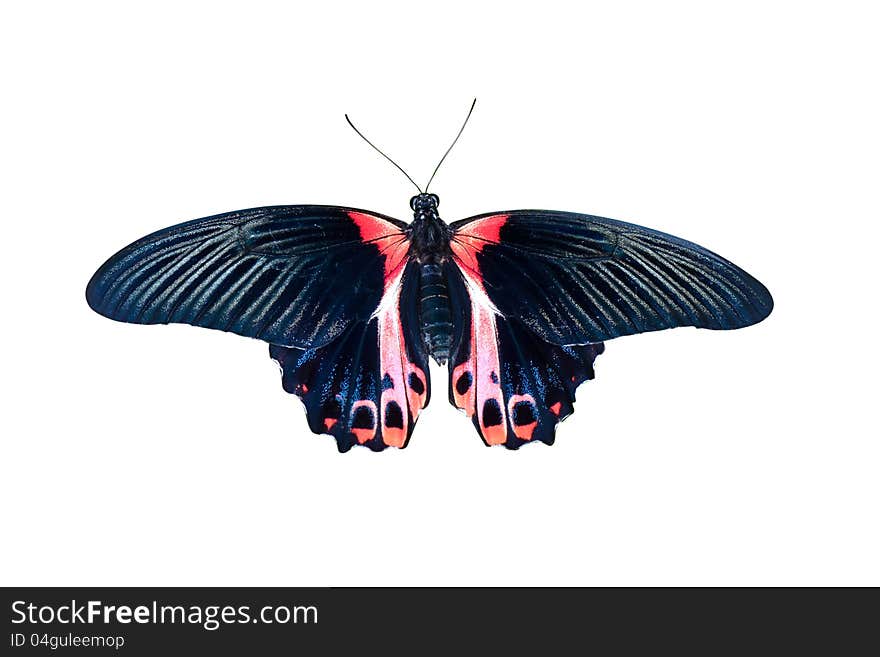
(576, 279)
(291, 275)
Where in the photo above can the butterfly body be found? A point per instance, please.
(430, 239)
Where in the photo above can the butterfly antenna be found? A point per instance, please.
(361, 135)
(470, 111)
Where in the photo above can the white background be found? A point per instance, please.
(170, 455)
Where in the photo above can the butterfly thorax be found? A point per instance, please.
(429, 246)
(428, 234)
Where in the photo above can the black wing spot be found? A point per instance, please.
(464, 383)
(491, 413)
(416, 383)
(523, 413)
(387, 382)
(331, 409)
(494, 377)
(363, 418)
(393, 415)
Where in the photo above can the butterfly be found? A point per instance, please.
(353, 303)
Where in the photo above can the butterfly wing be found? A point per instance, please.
(291, 275)
(514, 386)
(322, 284)
(582, 279)
(537, 292)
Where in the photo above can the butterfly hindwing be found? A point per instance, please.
(514, 386)
(576, 279)
(367, 386)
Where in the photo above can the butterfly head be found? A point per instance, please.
(424, 203)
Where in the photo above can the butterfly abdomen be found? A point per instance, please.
(435, 315)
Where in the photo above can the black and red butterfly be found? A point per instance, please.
(353, 303)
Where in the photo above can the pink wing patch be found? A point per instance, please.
(470, 240)
(390, 240)
(476, 383)
(404, 385)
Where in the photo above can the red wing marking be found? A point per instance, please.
(463, 384)
(490, 399)
(476, 382)
(524, 417)
(416, 386)
(556, 408)
(470, 239)
(391, 349)
(387, 237)
(363, 420)
(404, 385)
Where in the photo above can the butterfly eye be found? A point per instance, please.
(412, 203)
(436, 200)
